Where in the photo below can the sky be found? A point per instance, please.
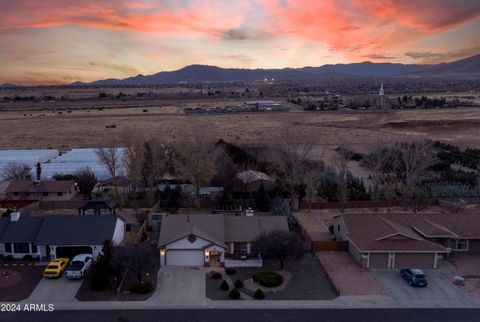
(62, 41)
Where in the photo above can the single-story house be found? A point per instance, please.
(55, 236)
(406, 240)
(61, 190)
(215, 239)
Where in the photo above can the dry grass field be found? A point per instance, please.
(88, 127)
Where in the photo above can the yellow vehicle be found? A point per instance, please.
(56, 267)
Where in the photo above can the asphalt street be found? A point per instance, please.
(327, 315)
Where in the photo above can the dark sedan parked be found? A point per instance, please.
(414, 276)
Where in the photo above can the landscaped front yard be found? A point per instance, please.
(303, 279)
(468, 266)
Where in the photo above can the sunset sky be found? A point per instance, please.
(61, 41)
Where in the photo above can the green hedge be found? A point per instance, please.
(268, 279)
(234, 294)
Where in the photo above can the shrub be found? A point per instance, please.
(238, 284)
(8, 258)
(230, 271)
(268, 279)
(224, 286)
(259, 295)
(27, 258)
(141, 288)
(234, 294)
(99, 279)
(216, 275)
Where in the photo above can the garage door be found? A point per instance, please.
(414, 260)
(72, 251)
(378, 260)
(184, 258)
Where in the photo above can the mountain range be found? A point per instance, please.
(466, 68)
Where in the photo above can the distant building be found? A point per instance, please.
(60, 190)
(381, 98)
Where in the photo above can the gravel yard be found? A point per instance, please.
(309, 281)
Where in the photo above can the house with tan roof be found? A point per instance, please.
(61, 190)
(214, 239)
(407, 240)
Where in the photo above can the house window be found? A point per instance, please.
(8, 247)
(458, 244)
(21, 248)
(59, 194)
(15, 194)
(338, 227)
(45, 194)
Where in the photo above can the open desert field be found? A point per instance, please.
(97, 127)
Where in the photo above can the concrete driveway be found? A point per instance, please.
(55, 290)
(180, 284)
(440, 292)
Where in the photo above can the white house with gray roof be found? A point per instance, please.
(214, 239)
(55, 236)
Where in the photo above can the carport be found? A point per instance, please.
(72, 251)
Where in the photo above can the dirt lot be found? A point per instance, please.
(88, 128)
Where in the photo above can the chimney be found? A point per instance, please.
(14, 216)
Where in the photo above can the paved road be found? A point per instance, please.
(353, 315)
(439, 292)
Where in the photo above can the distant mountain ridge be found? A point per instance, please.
(464, 68)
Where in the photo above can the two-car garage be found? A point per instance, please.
(184, 257)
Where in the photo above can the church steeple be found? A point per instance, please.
(381, 90)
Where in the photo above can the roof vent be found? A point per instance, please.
(14, 216)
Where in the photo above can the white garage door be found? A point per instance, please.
(184, 258)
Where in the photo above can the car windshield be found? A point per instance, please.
(419, 276)
(77, 263)
(52, 266)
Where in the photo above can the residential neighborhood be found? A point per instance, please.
(238, 233)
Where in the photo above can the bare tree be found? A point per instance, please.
(414, 160)
(295, 150)
(197, 157)
(342, 188)
(15, 171)
(280, 245)
(133, 159)
(111, 157)
(377, 162)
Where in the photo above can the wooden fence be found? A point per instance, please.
(330, 246)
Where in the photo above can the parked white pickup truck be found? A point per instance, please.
(79, 266)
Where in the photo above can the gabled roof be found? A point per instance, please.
(397, 230)
(76, 230)
(43, 186)
(219, 229)
(430, 229)
(176, 227)
(22, 231)
(248, 229)
(371, 232)
(249, 176)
